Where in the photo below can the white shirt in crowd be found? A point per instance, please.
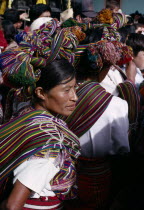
(109, 135)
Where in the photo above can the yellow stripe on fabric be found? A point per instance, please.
(18, 122)
(32, 134)
(11, 169)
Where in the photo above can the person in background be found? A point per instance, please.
(136, 41)
(113, 5)
(38, 14)
(85, 12)
(136, 16)
(9, 33)
(84, 16)
(39, 10)
(126, 30)
(7, 41)
(13, 15)
(102, 135)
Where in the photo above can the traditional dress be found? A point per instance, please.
(101, 122)
(41, 151)
(116, 83)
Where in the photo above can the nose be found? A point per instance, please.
(74, 95)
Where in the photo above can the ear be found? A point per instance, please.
(40, 93)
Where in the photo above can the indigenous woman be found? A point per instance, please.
(101, 121)
(38, 150)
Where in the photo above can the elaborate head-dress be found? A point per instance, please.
(108, 17)
(114, 21)
(39, 47)
(106, 53)
(21, 67)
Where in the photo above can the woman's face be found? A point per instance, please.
(18, 24)
(45, 14)
(61, 99)
(139, 60)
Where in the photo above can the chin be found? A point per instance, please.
(66, 114)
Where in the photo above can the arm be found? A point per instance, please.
(17, 198)
(131, 71)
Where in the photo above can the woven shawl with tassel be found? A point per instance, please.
(92, 102)
(40, 134)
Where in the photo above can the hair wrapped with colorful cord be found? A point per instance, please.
(110, 33)
(105, 16)
(104, 53)
(51, 42)
(38, 48)
(120, 19)
(18, 68)
(126, 54)
(77, 31)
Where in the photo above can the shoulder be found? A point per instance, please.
(118, 105)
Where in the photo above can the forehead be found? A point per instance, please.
(140, 54)
(65, 84)
(68, 81)
(45, 14)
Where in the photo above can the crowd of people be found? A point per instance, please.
(71, 109)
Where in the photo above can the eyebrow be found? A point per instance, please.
(68, 86)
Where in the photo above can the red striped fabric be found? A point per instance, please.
(43, 203)
(94, 182)
(92, 102)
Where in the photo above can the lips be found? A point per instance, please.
(71, 107)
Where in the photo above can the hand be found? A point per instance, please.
(131, 71)
(23, 16)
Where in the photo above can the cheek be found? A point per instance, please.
(140, 62)
(60, 100)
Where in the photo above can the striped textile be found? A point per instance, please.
(79, 52)
(50, 42)
(92, 102)
(94, 175)
(39, 133)
(43, 203)
(94, 182)
(128, 92)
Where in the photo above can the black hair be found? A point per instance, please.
(36, 11)
(125, 31)
(141, 20)
(9, 30)
(93, 35)
(12, 15)
(86, 68)
(56, 73)
(77, 10)
(136, 41)
(80, 13)
(133, 15)
(130, 20)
